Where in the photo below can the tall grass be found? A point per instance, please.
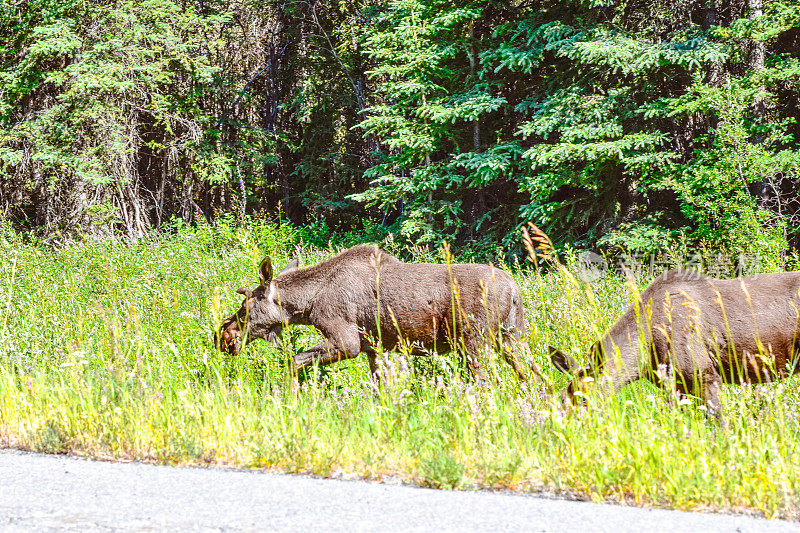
(106, 351)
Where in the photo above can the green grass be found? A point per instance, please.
(106, 351)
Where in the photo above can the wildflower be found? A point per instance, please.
(531, 417)
(73, 363)
(542, 393)
(403, 364)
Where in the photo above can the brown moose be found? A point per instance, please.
(364, 295)
(693, 333)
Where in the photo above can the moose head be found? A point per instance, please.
(261, 315)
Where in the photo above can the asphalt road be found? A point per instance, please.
(47, 493)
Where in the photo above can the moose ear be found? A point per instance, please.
(597, 357)
(265, 271)
(244, 292)
(562, 361)
(291, 265)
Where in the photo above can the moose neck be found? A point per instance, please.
(626, 334)
(297, 291)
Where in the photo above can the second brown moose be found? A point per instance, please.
(694, 333)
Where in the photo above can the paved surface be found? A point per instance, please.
(46, 493)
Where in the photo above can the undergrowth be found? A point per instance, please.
(106, 350)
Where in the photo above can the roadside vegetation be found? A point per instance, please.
(106, 351)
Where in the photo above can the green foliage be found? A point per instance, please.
(122, 64)
(714, 188)
(645, 237)
(130, 104)
(8, 237)
(429, 107)
(609, 141)
(607, 125)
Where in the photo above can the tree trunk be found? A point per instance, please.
(755, 58)
(714, 70)
(473, 60)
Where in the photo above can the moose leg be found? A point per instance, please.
(663, 376)
(321, 354)
(374, 368)
(711, 385)
(346, 346)
(471, 350)
(511, 355)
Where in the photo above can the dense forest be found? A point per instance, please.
(612, 125)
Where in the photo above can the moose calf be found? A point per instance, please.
(698, 332)
(364, 294)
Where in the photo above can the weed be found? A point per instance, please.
(106, 349)
(441, 471)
